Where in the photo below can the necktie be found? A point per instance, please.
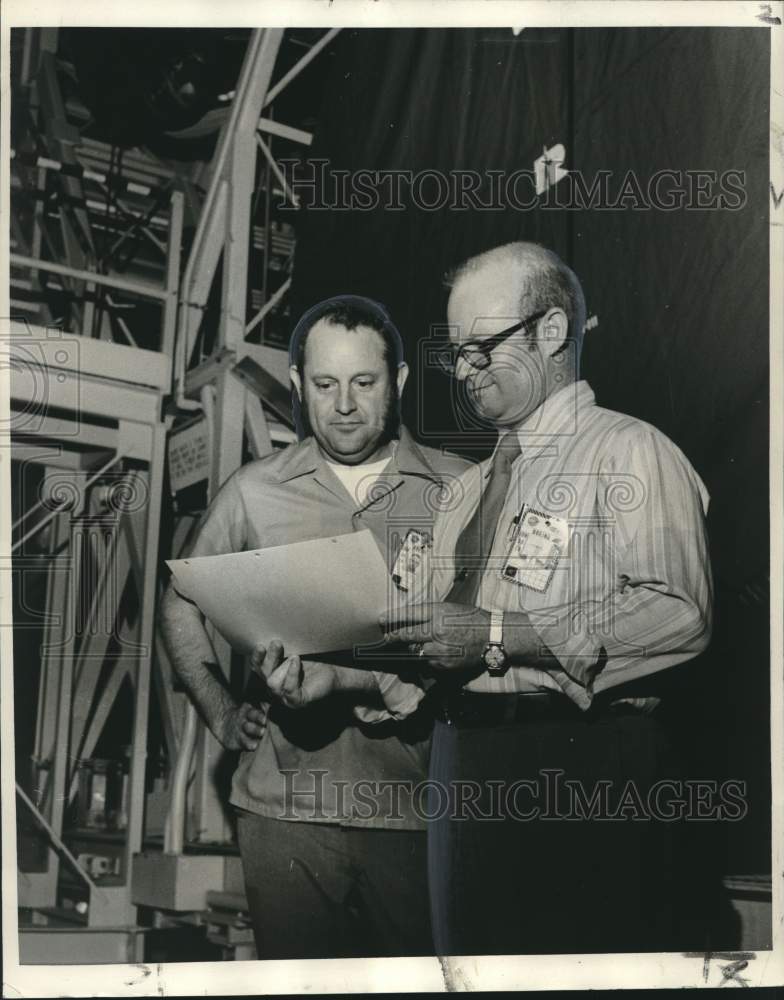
(476, 539)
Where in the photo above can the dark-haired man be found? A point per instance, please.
(333, 851)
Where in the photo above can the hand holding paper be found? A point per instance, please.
(315, 596)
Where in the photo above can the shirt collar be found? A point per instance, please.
(558, 415)
(300, 460)
(407, 459)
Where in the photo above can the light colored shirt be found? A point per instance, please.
(321, 764)
(630, 593)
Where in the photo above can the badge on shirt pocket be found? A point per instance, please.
(410, 561)
(538, 541)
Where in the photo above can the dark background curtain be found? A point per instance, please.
(681, 296)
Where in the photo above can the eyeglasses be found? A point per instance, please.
(476, 353)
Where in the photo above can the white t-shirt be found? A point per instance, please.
(358, 479)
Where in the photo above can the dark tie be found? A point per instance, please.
(476, 539)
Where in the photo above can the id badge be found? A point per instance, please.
(410, 560)
(537, 545)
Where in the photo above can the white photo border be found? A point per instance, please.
(764, 968)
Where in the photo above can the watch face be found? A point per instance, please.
(495, 658)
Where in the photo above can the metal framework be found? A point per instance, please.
(95, 443)
(100, 489)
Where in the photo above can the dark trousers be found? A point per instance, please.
(540, 879)
(318, 890)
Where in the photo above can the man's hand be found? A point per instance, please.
(291, 680)
(298, 683)
(265, 659)
(450, 636)
(242, 728)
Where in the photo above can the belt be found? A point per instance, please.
(465, 709)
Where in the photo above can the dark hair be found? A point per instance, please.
(349, 312)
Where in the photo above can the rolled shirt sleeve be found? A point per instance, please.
(220, 530)
(223, 527)
(658, 609)
(400, 697)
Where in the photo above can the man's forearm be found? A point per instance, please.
(523, 645)
(349, 678)
(194, 660)
(352, 680)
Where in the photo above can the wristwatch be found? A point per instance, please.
(494, 656)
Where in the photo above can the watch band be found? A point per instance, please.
(494, 656)
(496, 628)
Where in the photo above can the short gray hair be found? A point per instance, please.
(546, 282)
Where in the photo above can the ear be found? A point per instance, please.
(553, 330)
(296, 381)
(402, 375)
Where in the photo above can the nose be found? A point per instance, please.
(344, 400)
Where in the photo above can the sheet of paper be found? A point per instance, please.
(314, 596)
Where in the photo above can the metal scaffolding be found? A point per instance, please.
(92, 411)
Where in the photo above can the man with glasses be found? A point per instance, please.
(570, 574)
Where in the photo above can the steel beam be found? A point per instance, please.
(101, 397)
(241, 170)
(297, 68)
(66, 945)
(55, 839)
(266, 388)
(130, 438)
(271, 127)
(268, 306)
(199, 272)
(54, 109)
(173, 258)
(57, 428)
(217, 221)
(207, 373)
(63, 663)
(40, 888)
(54, 513)
(102, 709)
(256, 427)
(55, 456)
(143, 288)
(292, 197)
(144, 661)
(92, 652)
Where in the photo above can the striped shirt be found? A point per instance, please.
(626, 591)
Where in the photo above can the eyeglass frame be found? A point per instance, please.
(486, 347)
